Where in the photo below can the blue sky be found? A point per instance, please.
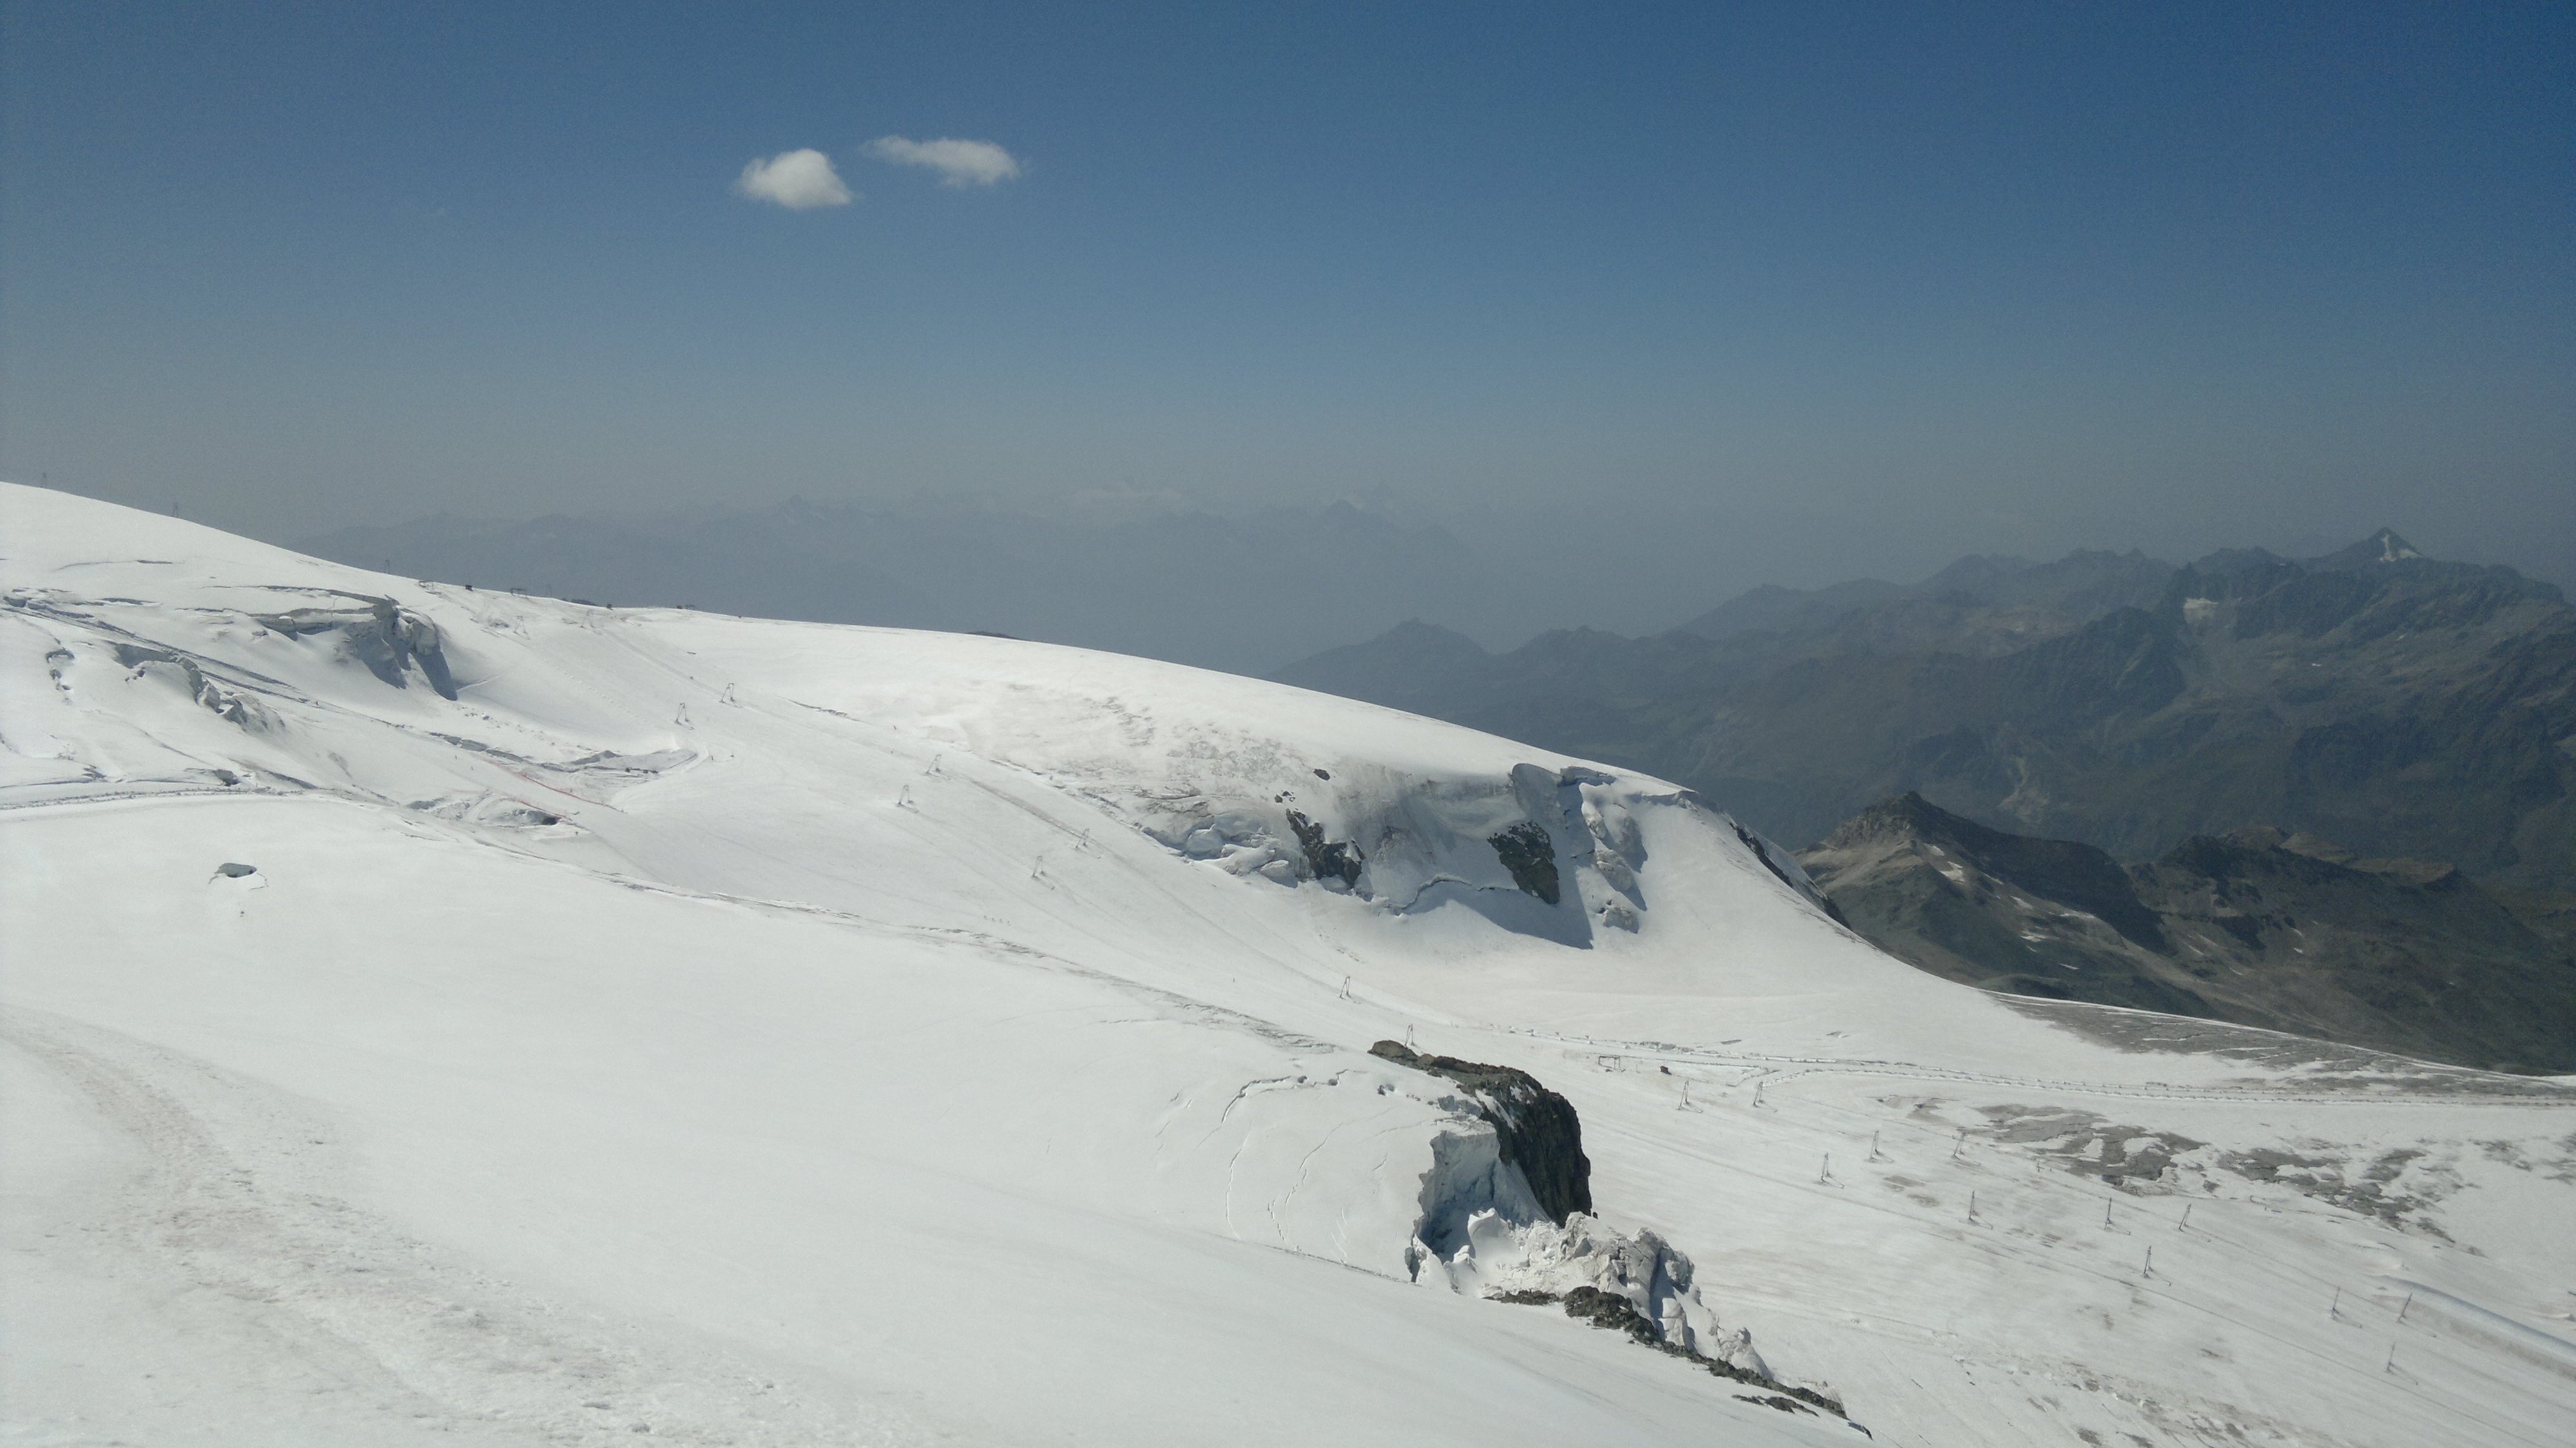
(1892, 282)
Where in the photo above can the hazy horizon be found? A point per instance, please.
(1248, 590)
(1785, 293)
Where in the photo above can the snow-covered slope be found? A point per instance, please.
(446, 1016)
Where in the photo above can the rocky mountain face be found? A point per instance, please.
(2399, 704)
(2255, 926)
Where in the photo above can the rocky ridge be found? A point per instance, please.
(2255, 926)
(2398, 704)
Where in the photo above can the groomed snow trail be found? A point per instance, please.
(640, 1022)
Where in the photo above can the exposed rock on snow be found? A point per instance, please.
(1481, 1236)
(1736, 1360)
(1526, 850)
(1638, 1285)
(1537, 1131)
(1327, 859)
(1791, 871)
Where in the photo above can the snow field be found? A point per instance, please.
(776, 1032)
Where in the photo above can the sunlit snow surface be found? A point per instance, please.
(752, 1032)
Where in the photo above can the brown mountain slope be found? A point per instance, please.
(2254, 927)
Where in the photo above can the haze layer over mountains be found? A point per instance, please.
(437, 1015)
(1246, 591)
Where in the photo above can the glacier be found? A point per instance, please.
(441, 1015)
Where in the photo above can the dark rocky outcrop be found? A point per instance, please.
(1539, 1131)
(2256, 926)
(1529, 853)
(1328, 859)
(1611, 1311)
(1768, 854)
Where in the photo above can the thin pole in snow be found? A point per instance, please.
(2106, 1216)
(2335, 1308)
(2151, 1262)
(2390, 1366)
(1873, 1146)
(1408, 1038)
(2186, 1217)
(2401, 1307)
(1960, 1145)
(1346, 987)
(1826, 1172)
(1972, 1206)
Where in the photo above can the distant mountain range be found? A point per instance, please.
(2396, 704)
(2286, 932)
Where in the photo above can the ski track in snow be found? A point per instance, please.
(861, 1055)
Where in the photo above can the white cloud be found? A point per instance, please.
(797, 180)
(959, 163)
